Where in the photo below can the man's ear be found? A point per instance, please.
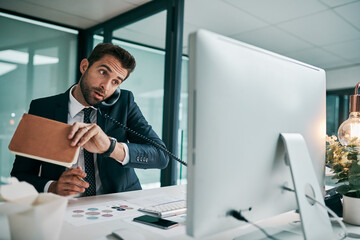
(84, 64)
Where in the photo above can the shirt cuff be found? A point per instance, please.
(126, 158)
(47, 185)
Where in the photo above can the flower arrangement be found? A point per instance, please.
(344, 161)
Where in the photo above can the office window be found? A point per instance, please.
(183, 121)
(36, 60)
(332, 115)
(147, 84)
(337, 109)
(147, 45)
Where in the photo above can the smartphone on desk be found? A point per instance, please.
(156, 222)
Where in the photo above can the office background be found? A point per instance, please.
(43, 41)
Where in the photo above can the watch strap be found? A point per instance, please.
(108, 152)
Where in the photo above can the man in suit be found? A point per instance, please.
(108, 154)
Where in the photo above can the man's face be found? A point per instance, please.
(100, 81)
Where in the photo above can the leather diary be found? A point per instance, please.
(44, 139)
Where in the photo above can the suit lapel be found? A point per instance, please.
(102, 122)
(61, 113)
(62, 108)
(100, 119)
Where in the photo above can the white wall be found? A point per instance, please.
(342, 78)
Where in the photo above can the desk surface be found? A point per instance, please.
(102, 230)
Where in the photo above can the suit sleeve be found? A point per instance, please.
(142, 153)
(27, 169)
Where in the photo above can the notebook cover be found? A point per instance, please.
(44, 139)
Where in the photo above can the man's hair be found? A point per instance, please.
(125, 58)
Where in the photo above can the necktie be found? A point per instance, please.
(89, 161)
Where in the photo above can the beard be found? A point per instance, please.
(86, 91)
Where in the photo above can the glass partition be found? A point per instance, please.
(36, 60)
(183, 121)
(145, 40)
(146, 43)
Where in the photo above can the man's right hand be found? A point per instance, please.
(69, 183)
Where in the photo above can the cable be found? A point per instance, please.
(332, 213)
(239, 216)
(152, 142)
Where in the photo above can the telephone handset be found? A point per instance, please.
(110, 102)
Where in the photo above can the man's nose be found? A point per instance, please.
(106, 85)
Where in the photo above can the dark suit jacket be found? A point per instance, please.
(114, 176)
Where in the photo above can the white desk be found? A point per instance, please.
(102, 230)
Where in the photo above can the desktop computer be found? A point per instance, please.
(241, 98)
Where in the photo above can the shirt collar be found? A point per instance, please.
(74, 105)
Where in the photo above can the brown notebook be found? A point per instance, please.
(44, 139)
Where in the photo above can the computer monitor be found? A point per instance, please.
(241, 98)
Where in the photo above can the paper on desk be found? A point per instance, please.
(100, 212)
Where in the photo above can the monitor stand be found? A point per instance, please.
(314, 218)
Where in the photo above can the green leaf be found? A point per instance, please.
(354, 169)
(354, 180)
(343, 189)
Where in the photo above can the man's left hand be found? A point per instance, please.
(90, 136)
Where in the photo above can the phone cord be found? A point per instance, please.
(152, 142)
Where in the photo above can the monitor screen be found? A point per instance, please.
(241, 98)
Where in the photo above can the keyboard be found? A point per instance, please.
(166, 209)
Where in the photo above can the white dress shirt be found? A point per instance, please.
(76, 114)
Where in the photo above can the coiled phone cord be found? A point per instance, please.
(152, 142)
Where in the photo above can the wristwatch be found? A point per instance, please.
(108, 152)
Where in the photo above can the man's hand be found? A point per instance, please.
(90, 136)
(69, 183)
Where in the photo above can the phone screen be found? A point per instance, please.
(156, 221)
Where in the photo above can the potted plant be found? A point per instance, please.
(344, 161)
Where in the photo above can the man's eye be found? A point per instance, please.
(116, 82)
(102, 72)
